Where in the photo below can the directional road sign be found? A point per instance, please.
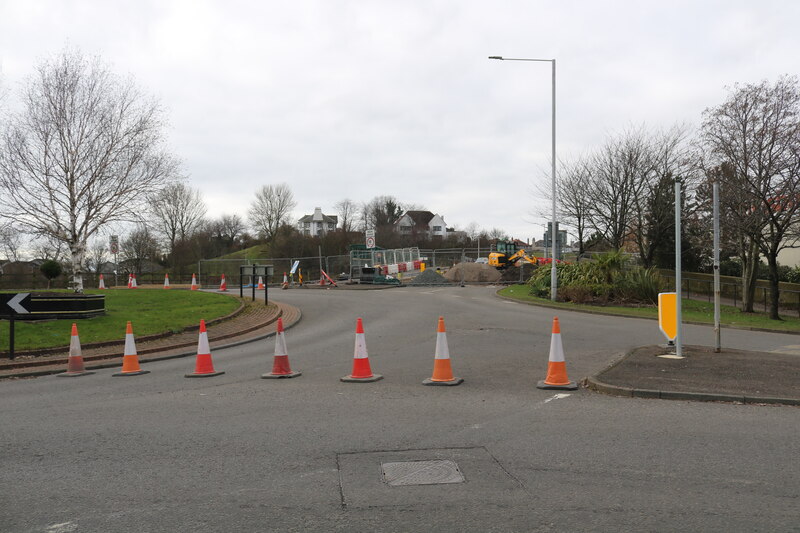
(16, 303)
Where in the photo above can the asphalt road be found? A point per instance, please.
(160, 452)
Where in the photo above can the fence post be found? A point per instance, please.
(765, 298)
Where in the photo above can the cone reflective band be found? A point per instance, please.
(204, 367)
(102, 284)
(556, 365)
(133, 282)
(442, 370)
(130, 280)
(166, 281)
(222, 285)
(260, 283)
(75, 366)
(194, 283)
(280, 364)
(361, 369)
(285, 284)
(130, 359)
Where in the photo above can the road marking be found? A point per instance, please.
(557, 397)
(792, 349)
(65, 527)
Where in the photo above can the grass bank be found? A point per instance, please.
(150, 312)
(693, 311)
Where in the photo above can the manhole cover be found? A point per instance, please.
(421, 473)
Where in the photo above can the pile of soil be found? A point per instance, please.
(473, 273)
(429, 277)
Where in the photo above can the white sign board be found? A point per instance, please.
(370, 234)
(294, 267)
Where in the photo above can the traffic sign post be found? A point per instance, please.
(668, 315)
(11, 305)
(370, 237)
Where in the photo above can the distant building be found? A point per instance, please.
(317, 224)
(421, 224)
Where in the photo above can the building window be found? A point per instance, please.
(437, 228)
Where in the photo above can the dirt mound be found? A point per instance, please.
(429, 277)
(473, 273)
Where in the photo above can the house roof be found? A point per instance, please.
(318, 216)
(420, 218)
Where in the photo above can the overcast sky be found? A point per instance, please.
(354, 99)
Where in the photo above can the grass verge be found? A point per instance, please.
(693, 311)
(150, 312)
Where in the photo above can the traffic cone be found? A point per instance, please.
(322, 280)
(194, 283)
(285, 284)
(222, 285)
(130, 359)
(361, 370)
(556, 366)
(130, 278)
(442, 372)
(260, 283)
(75, 366)
(102, 284)
(203, 368)
(280, 364)
(134, 285)
(166, 281)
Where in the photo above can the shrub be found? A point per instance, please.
(599, 281)
(51, 270)
(793, 275)
(640, 285)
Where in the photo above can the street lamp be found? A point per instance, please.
(553, 275)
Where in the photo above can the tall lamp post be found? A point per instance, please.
(553, 275)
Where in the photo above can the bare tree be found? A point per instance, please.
(139, 248)
(574, 203)
(10, 241)
(231, 227)
(381, 212)
(97, 255)
(754, 138)
(619, 172)
(271, 209)
(348, 212)
(177, 211)
(49, 247)
(652, 225)
(83, 152)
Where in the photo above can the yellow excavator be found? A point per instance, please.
(508, 254)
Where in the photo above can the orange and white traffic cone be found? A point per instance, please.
(260, 283)
(222, 285)
(130, 359)
(556, 366)
(194, 283)
(280, 364)
(361, 369)
(166, 281)
(285, 284)
(75, 366)
(134, 285)
(442, 371)
(102, 284)
(130, 280)
(203, 367)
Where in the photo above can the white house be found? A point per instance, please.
(317, 224)
(421, 224)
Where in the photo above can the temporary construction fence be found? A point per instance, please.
(210, 270)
